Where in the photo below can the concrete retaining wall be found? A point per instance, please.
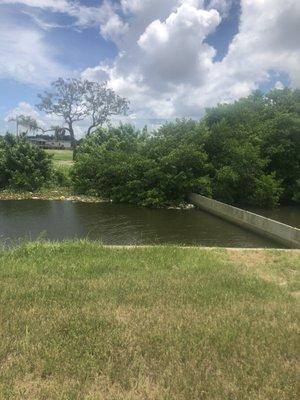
(281, 233)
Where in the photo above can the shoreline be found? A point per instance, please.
(132, 247)
(61, 194)
(65, 194)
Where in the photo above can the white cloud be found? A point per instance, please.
(163, 57)
(99, 73)
(222, 6)
(164, 65)
(55, 5)
(25, 57)
(104, 16)
(272, 42)
(113, 28)
(23, 108)
(45, 121)
(166, 69)
(173, 50)
(148, 6)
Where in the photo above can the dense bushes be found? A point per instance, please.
(127, 165)
(245, 153)
(258, 138)
(22, 165)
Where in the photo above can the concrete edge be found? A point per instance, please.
(279, 232)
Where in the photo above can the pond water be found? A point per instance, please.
(117, 224)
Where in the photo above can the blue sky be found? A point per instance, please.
(170, 58)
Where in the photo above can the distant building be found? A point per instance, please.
(50, 142)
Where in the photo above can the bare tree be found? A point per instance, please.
(67, 101)
(26, 121)
(75, 100)
(102, 103)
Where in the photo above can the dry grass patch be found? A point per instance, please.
(279, 267)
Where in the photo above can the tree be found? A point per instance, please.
(75, 100)
(102, 103)
(66, 101)
(254, 145)
(26, 121)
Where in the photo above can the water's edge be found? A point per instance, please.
(119, 224)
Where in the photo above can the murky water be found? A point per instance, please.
(119, 224)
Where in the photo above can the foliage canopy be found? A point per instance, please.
(246, 153)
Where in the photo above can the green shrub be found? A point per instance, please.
(60, 176)
(126, 165)
(245, 153)
(267, 191)
(23, 166)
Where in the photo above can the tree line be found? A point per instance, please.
(245, 153)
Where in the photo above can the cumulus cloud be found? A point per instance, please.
(182, 33)
(267, 39)
(167, 70)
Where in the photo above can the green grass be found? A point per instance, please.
(62, 162)
(82, 321)
(61, 155)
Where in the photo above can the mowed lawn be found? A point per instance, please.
(81, 321)
(61, 156)
(62, 161)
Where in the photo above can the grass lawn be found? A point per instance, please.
(62, 161)
(82, 321)
(61, 156)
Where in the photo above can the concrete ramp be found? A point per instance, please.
(281, 233)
